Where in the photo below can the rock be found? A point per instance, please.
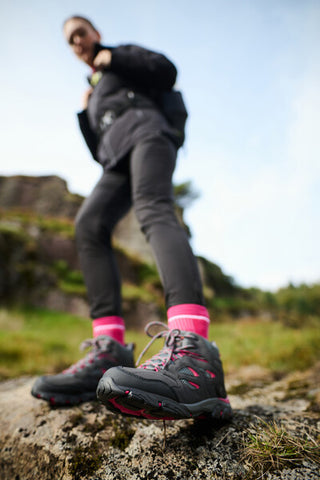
(49, 196)
(45, 195)
(38, 251)
(88, 442)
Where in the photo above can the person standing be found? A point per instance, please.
(128, 133)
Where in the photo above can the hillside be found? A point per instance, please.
(48, 196)
(39, 264)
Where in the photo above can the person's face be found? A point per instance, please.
(81, 38)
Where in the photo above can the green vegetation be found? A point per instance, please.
(135, 292)
(270, 344)
(85, 461)
(277, 330)
(28, 255)
(122, 432)
(34, 341)
(146, 289)
(22, 220)
(294, 306)
(270, 447)
(185, 194)
(69, 281)
(39, 340)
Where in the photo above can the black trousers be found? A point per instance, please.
(142, 180)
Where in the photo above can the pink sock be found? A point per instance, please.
(112, 326)
(189, 317)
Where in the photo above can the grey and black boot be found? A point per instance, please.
(79, 382)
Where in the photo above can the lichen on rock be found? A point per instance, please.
(88, 442)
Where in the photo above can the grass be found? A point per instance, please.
(270, 447)
(35, 341)
(268, 344)
(134, 292)
(19, 220)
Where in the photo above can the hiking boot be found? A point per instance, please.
(184, 380)
(79, 382)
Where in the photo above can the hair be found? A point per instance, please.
(79, 17)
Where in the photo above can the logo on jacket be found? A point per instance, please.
(95, 78)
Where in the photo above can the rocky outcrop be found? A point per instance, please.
(49, 196)
(36, 266)
(37, 241)
(88, 442)
(45, 195)
(38, 255)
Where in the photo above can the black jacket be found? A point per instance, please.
(128, 92)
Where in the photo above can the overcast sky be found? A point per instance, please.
(250, 73)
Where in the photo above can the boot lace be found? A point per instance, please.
(173, 347)
(96, 345)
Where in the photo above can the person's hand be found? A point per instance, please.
(85, 98)
(102, 60)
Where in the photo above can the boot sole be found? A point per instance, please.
(64, 400)
(135, 402)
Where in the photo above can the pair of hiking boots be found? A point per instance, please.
(184, 380)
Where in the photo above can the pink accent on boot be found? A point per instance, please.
(189, 317)
(112, 326)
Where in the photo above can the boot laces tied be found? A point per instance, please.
(95, 344)
(167, 353)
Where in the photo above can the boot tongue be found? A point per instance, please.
(185, 339)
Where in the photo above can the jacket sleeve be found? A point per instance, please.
(144, 67)
(88, 134)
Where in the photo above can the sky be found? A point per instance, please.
(250, 74)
